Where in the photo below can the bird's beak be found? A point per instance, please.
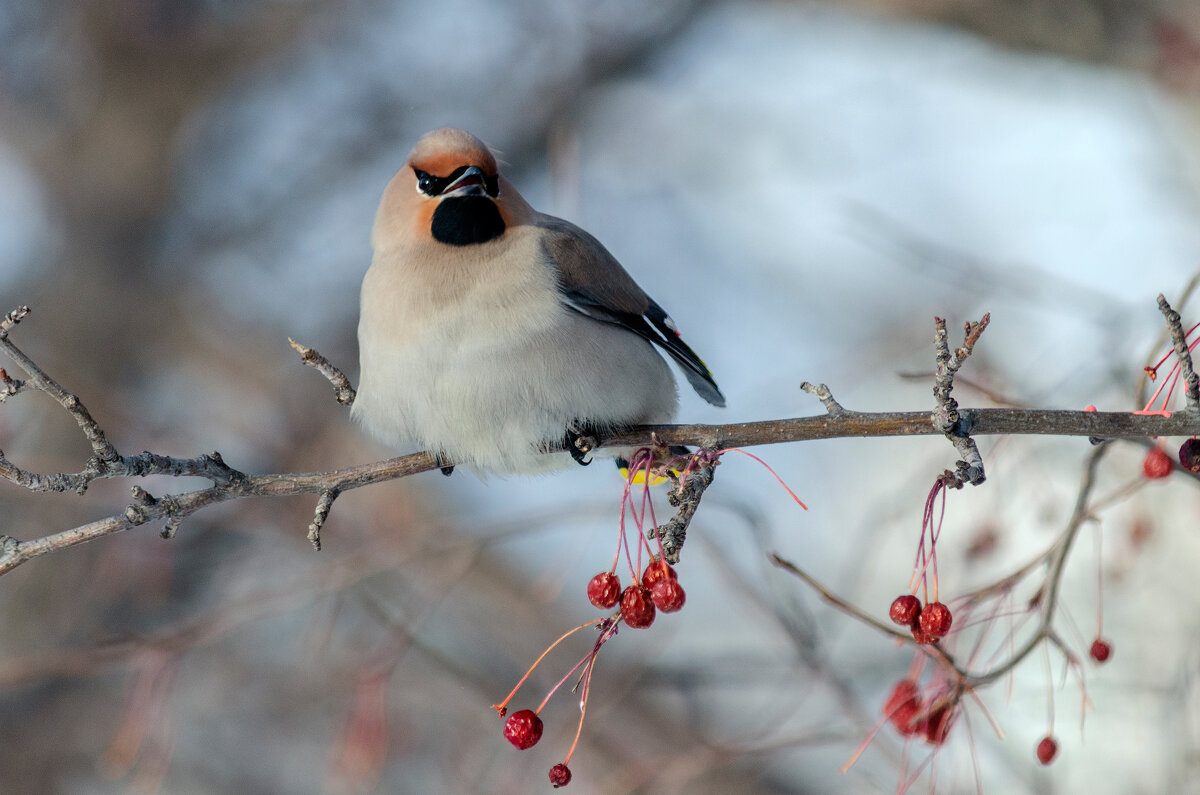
(469, 183)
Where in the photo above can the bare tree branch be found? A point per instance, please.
(229, 484)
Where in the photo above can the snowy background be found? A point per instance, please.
(802, 185)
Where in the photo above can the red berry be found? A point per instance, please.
(604, 590)
(1189, 455)
(902, 707)
(1101, 650)
(937, 725)
(1046, 750)
(1157, 464)
(523, 728)
(935, 620)
(657, 570)
(919, 635)
(905, 609)
(667, 595)
(560, 775)
(637, 607)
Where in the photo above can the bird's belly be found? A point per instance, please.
(492, 388)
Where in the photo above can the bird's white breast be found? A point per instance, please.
(469, 352)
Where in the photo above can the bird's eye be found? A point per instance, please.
(427, 183)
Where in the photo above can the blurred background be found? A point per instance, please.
(803, 185)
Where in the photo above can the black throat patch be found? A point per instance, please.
(467, 220)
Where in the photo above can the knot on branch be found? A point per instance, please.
(11, 319)
(146, 507)
(219, 472)
(137, 513)
(9, 386)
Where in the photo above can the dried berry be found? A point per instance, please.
(560, 775)
(667, 595)
(637, 607)
(1157, 464)
(1189, 455)
(1046, 750)
(936, 725)
(922, 637)
(604, 590)
(902, 707)
(523, 728)
(935, 620)
(905, 609)
(1101, 650)
(656, 571)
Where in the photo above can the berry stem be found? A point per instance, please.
(624, 536)
(584, 694)
(1172, 377)
(588, 659)
(1049, 687)
(647, 503)
(934, 535)
(1100, 579)
(774, 474)
(499, 707)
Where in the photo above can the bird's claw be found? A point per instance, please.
(579, 443)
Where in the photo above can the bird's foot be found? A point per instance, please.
(581, 440)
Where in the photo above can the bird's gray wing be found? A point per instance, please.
(593, 283)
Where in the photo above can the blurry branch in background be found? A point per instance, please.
(1046, 600)
(957, 424)
(997, 631)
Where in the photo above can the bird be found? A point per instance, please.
(496, 336)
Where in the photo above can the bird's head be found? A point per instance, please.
(450, 191)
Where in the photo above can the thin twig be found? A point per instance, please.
(8, 385)
(1182, 353)
(11, 319)
(821, 392)
(1144, 379)
(342, 389)
(946, 416)
(685, 496)
(320, 515)
(1057, 561)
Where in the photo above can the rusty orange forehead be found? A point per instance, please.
(443, 150)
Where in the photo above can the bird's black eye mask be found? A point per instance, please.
(434, 186)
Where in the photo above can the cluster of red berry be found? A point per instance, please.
(928, 624)
(659, 588)
(913, 717)
(1159, 465)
